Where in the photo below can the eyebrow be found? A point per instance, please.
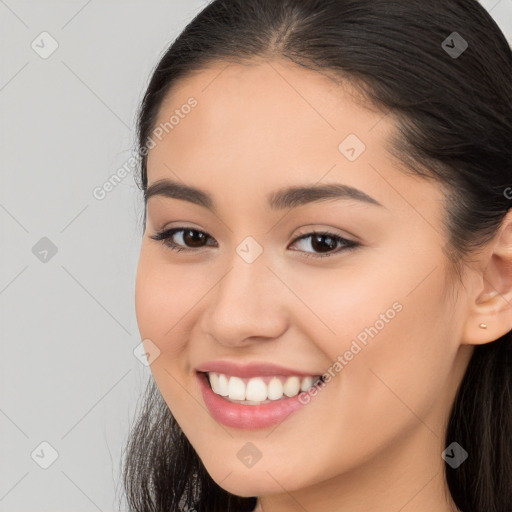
(290, 197)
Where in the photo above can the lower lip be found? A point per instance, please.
(246, 416)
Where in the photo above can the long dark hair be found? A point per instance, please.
(454, 117)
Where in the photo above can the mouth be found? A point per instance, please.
(259, 390)
(256, 402)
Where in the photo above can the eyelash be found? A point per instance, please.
(166, 236)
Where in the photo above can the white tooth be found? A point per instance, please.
(307, 383)
(291, 386)
(275, 389)
(256, 390)
(222, 385)
(236, 388)
(214, 381)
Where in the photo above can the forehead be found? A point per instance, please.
(264, 125)
(262, 108)
(274, 95)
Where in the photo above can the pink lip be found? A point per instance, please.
(246, 416)
(250, 369)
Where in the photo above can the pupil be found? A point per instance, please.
(320, 247)
(193, 238)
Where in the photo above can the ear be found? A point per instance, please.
(491, 291)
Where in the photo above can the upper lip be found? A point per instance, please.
(248, 370)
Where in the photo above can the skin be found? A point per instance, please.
(372, 438)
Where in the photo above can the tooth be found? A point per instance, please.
(222, 385)
(275, 389)
(256, 390)
(307, 383)
(214, 381)
(236, 388)
(291, 386)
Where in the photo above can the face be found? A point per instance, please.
(364, 300)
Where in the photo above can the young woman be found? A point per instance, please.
(325, 279)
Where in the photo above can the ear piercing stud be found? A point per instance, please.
(483, 326)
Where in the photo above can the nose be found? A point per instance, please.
(246, 305)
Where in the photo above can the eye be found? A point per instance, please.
(325, 242)
(192, 239)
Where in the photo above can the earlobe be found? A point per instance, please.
(490, 315)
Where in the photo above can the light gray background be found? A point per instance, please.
(68, 373)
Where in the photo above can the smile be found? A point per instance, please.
(259, 390)
(273, 404)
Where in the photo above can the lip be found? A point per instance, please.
(249, 370)
(242, 416)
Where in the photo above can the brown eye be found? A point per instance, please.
(324, 244)
(188, 238)
(193, 238)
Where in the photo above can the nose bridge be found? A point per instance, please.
(248, 274)
(243, 303)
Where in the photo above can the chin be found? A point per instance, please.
(253, 482)
(237, 486)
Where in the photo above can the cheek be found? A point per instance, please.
(385, 333)
(339, 306)
(161, 302)
(402, 369)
